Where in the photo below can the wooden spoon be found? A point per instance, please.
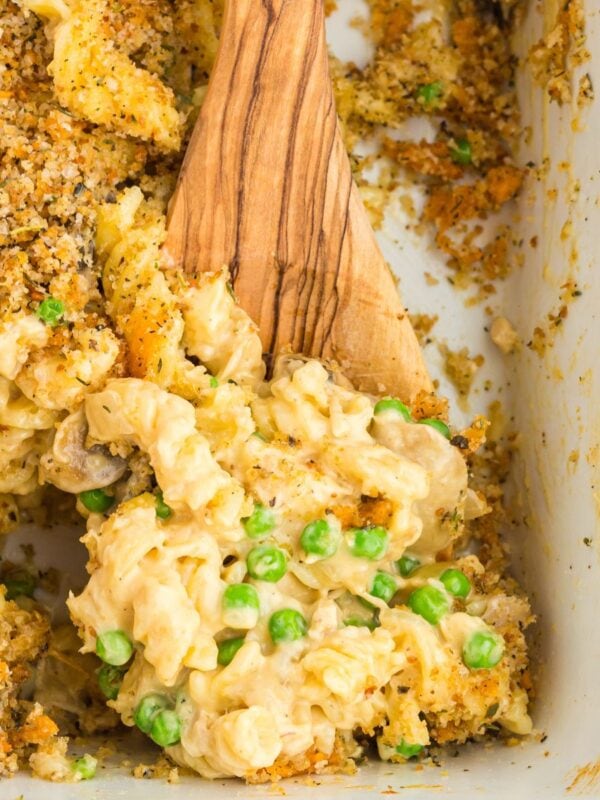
(266, 189)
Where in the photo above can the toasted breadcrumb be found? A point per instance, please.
(311, 762)
(544, 333)
(585, 91)
(162, 768)
(50, 762)
(464, 84)
(370, 511)
(560, 50)
(423, 325)
(424, 158)
(473, 437)
(428, 405)
(460, 367)
(504, 335)
(24, 728)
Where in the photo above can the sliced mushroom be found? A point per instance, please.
(72, 467)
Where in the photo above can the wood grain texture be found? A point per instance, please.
(266, 189)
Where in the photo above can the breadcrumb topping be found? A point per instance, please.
(554, 57)
(463, 84)
(24, 727)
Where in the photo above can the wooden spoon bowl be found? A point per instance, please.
(266, 189)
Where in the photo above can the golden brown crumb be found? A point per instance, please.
(460, 367)
(464, 84)
(544, 333)
(554, 56)
(163, 768)
(585, 91)
(428, 405)
(475, 434)
(504, 335)
(424, 158)
(310, 762)
(24, 727)
(423, 325)
(49, 760)
(449, 206)
(370, 511)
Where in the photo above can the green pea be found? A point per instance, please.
(260, 522)
(384, 586)
(437, 425)
(456, 582)
(213, 382)
(266, 563)
(287, 625)
(51, 311)
(430, 603)
(407, 565)
(407, 750)
(241, 595)
(462, 153)
(320, 539)
(227, 650)
(166, 728)
(85, 767)
(241, 606)
(163, 511)
(147, 709)
(370, 542)
(430, 93)
(114, 648)
(19, 583)
(96, 500)
(392, 404)
(483, 650)
(109, 680)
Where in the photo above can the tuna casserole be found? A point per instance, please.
(277, 568)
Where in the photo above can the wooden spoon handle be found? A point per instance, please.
(244, 149)
(266, 189)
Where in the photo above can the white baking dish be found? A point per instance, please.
(556, 500)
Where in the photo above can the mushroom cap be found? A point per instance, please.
(74, 468)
